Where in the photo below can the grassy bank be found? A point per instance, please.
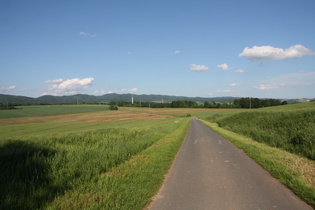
(290, 127)
(297, 173)
(67, 169)
(281, 139)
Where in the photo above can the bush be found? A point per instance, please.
(113, 107)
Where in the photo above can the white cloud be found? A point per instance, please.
(70, 86)
(99, 92)
(54, 81)
(225, 91)
(233, 84)
(240, 71)
(82, 33)
(224, 66)
(133, 90)
(7, 89)
(129, 90)
(177, 52)
(299, 79)
(272, 53)
(195, 67)
(267, 87)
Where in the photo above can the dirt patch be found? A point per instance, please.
(101, 116)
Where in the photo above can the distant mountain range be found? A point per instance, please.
(84, 98)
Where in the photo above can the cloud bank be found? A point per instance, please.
(272, 53)
(67, 87)
(195, 67)
(7, 89)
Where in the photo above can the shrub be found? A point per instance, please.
(113, 107)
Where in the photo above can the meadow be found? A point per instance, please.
(73, 159)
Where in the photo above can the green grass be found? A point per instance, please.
(53, 129)
(296, 172)
(290, 127)
(130, 185)
(30, 111)
(74, 170)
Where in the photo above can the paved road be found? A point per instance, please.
(211, 173)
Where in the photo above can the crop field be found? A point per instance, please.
(180, 111)
(72, 159)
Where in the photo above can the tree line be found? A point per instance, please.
(249, 103)
(237, 103)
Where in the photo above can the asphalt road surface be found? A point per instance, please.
(209, 172)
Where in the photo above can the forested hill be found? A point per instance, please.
(83, 98)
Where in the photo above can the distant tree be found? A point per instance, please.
(256, 102)
(113, 107)
(206, 104)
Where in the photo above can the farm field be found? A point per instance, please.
(45, 110)
(179, 111)
(95, 159)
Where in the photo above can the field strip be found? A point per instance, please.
(101, 116)
(174, 111)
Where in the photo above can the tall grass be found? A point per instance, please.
(290, 127)
(36, 170)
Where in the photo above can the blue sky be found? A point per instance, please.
(176, 47)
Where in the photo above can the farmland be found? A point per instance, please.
(95, 159)
(90, 157)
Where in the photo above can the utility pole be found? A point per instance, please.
(250, 103)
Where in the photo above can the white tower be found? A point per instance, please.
(132, 99)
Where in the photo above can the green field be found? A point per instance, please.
(30, 111)
(118, 159)
(79, 165)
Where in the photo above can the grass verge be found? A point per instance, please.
(130, 185)
(296, 172)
